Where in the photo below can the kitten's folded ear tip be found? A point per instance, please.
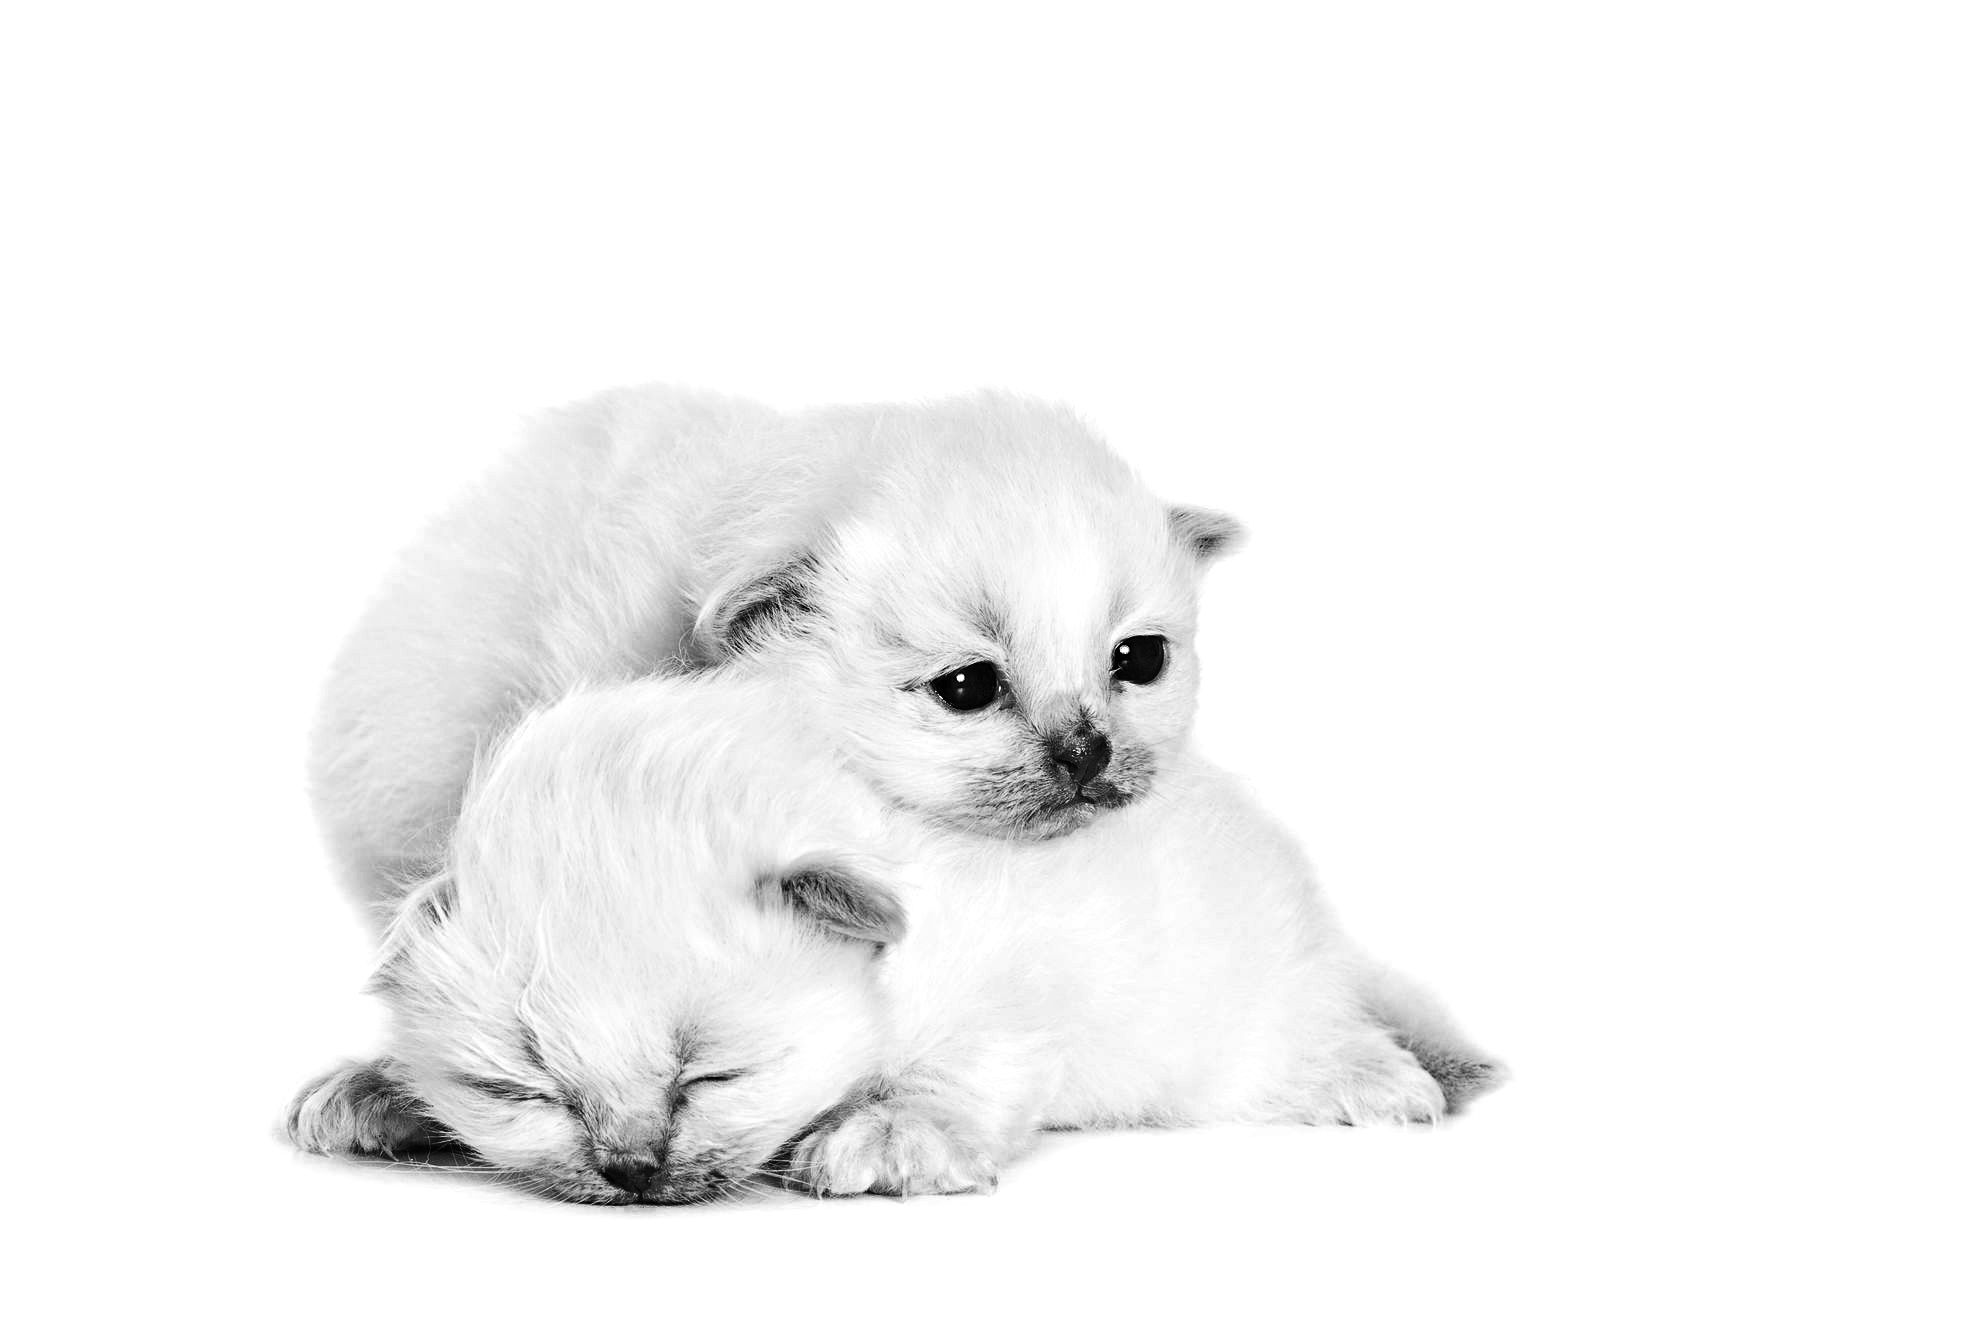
(1206, 533)
(835, 896)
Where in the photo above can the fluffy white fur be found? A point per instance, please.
(669, 931)
(654, 530)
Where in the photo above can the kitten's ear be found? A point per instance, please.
(836, 896)
(1205, 533)
(752, 608)
(420, 912)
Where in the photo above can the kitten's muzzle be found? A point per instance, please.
(659, 1176)
(634, 1173)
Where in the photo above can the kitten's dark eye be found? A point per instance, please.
(970, 688)
(1141, 659)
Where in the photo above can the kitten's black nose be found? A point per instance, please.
(1082, 755)
(630, 1173)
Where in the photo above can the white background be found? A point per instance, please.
(1598, 380)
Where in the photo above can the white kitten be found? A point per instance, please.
(668, 945)
(962, 576)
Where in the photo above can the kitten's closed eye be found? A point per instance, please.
(502, 1089)
(713, 1078)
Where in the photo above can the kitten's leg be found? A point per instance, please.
(1347, 1064)
(360, 1109)
(1421, 1025)
(924, 1130)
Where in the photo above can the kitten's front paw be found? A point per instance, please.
(1374, 1083)
(356, 1109)
(891, 1147)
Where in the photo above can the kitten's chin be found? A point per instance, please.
(584, 1188)
(1053, 820)
(1056, 822)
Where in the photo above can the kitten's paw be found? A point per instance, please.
(1463, 1076)
(1375, 1083)
(356, 1109)
(893, 1148)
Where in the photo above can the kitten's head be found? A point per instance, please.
(600, 1064)
(1002, 619)
(616, 1004)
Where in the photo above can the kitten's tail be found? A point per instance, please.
(1421, 1025)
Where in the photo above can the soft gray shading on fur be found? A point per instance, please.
(1463, 1077)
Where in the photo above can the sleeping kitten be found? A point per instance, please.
(676, 943)
(626, 982)
(979, 586)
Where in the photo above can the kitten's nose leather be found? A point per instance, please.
(630, 1173)
(1082, 756)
